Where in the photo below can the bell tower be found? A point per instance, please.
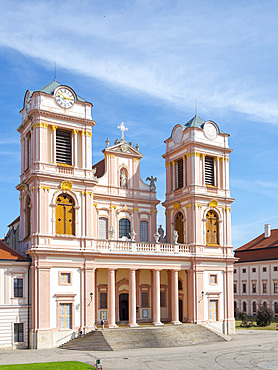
(197, 185)
(56, 155)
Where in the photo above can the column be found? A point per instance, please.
(156, 300)
(132, 298)
(53, 145)
(175, 298)
(111, 299)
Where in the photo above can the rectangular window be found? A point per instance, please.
(179, 174)
(145, 300)
(103, 228)
(275, 287)
(264, 269)
(234, 271)
(213, 279)
(18, 288)
(162, 299)
(144, 234)
(63, 147)
(243, 288)
(264, 288)
(213, 308)
(209, 171)
(243, 271)
(275, 268)
(253, 269)
(65, 278)
(234, 288)
(253, 287)
(103, 300)
(65, 315)
(18, 332)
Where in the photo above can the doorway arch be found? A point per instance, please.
(179, 227)
(123, 307)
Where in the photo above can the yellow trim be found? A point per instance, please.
(75, 132)
(64, 165)
(40, 124)
(54, 128)
(95, 205)
(87, 133)
(135, 209)
(188, 206)
(66, 185)
(174, 162)
(86, 193)
(111, 206)
(168, 164)
(198, 205)
(177, 206)
(136, 159)
(44, 188)
(33, 188)
(213, 203)
(109, 155)
(154, 210)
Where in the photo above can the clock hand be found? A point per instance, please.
(64, 96)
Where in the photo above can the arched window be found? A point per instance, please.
(179, 285)
(28, 217)
(124, 228)
(276, 308)
(123, 178)
(254, 307)
(235, 307)
(103, 228)
(65, 215)
(179, 227)
(144, 234)
(265, 304)
(212, 228)
(244, 306)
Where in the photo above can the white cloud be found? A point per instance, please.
(177, 51)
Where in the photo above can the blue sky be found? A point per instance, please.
(145, 63)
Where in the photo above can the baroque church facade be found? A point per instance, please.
(91, 232)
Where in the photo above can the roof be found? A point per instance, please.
(14, 221)
(260, 248)
(100, 168)
(50, 88)
(7, 253)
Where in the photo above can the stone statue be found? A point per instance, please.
(161, 233)
(123, 179)
(152, 181)
(94, 173)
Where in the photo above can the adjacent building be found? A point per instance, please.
(256, 273)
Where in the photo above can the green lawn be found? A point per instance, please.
(65, 365)
(254, 326)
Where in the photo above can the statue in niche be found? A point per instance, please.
(123, 179)
(94, 173)
(152, 183)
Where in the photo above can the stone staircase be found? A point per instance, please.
(143, 337)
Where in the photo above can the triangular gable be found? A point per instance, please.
(7, 253)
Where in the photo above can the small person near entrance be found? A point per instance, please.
(102, 324)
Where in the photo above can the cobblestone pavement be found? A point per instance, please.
(249, 349)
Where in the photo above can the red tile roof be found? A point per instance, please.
(7, 253)
(260, 248)
(100, 167)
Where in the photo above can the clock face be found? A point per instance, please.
(177, 135)
(64, 97)
(210, 130)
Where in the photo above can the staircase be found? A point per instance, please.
(143, 337)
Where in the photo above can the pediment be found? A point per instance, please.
(123, 147)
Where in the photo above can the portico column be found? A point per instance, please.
(175, 298)
(156, 300)
(132, 298)
(111, 299)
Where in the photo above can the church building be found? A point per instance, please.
(91, 230)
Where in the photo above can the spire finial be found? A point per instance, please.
(123, 129)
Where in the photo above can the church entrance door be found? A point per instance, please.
(123, 306)
(180, 310)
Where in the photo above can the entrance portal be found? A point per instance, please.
(123, 306)
(180, 310)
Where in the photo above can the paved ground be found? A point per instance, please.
(249, 349)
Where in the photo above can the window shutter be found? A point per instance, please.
(63, 147)
(209, 170)
(144, 237)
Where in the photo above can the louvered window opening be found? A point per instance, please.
(103, 228)
(65, 215)
(209, 170)
(144, 237)
(180, 174)
(63, 147)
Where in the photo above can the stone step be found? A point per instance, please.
(143, 337)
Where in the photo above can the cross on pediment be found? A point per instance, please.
(123, 129)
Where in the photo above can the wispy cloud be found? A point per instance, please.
(177, 51)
